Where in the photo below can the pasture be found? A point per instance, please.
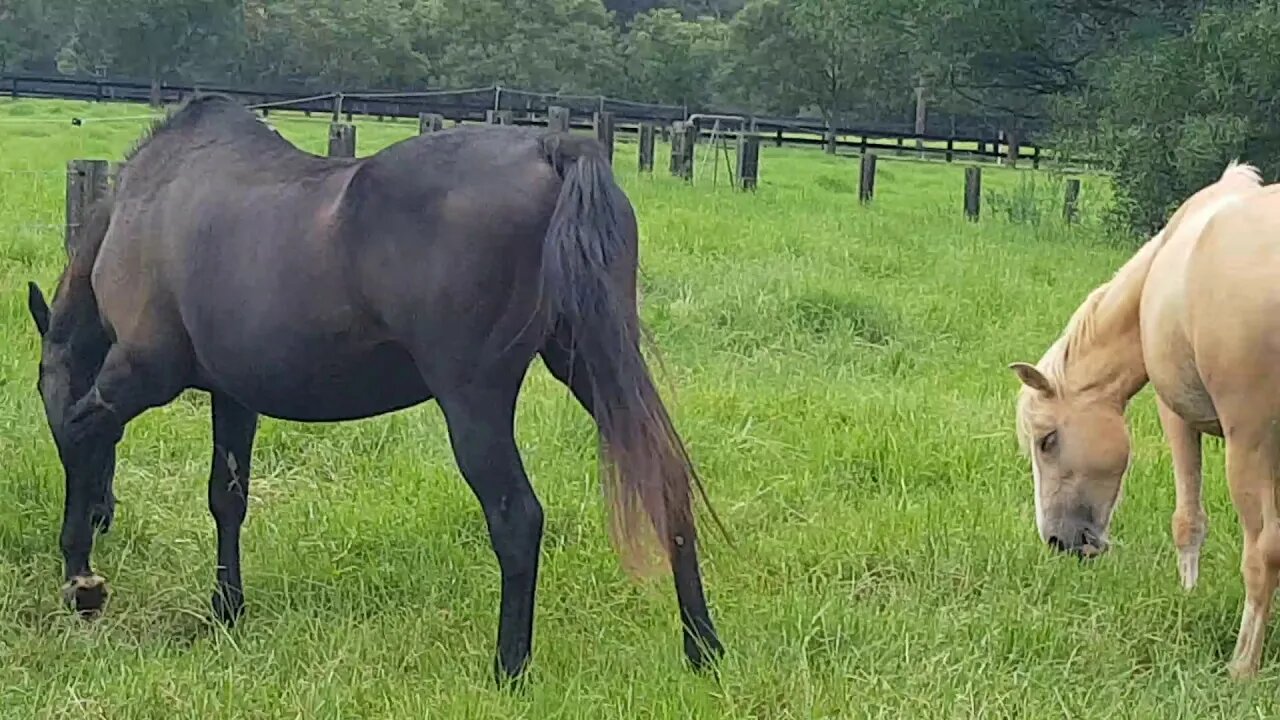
(839, 374)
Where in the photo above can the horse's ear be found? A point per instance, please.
(1031, 376)
(38, 307)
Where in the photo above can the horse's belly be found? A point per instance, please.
(1177, 381)
(325, 388)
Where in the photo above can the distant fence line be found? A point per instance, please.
(970, 138)
(84, 176)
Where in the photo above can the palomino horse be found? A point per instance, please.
(1196, 313)
(324, 289)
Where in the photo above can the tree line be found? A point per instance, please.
(1162, 92)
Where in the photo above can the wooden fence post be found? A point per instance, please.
(682, 147)
(951, 148)
(867, 178)
(558, 118)
(342, 140)
(646, 147)
(86, 182)
(1071, 200)
(337, 107)
(603, 122)
(920, 118)
(748, 170)
(430, 123)
(498, 117)
(1013, 148)
(829, 141)
(972, 192)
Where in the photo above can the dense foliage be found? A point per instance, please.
(1161, 92)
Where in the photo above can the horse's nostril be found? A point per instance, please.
(1056, 543)
(1093, 544)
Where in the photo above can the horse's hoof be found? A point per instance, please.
(1242, 671)
(703, 653)
(1189, 568)
(228, 605)
(85, 594)
(513, 680)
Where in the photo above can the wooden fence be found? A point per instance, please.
(969, 137)
(87, 179)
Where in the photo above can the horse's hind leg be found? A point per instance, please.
(234, 427)
(1189, 522)
(1251, 475)
(129, 381)
(481, 421)
(701, 644)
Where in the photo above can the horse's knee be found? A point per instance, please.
(1268, 548)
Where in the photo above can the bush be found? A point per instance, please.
(1167, 116)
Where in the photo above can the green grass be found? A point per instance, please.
(839, 374)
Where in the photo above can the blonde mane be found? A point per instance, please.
(1124, 286)
(1079, 330)
(1247, 171)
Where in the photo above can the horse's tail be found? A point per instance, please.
(644, 465)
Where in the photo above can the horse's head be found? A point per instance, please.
(1079, 448)
(72, 345)
(53, 379)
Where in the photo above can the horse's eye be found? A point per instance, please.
(1049, 442)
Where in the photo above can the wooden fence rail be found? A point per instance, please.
(977, 135)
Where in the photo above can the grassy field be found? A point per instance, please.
(839, 374)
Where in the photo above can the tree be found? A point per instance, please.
(673, 60)
(332, 43)
(1167, 113)
(154, 38)
(553, 45)
(30, 33)
(625, 10)
(832, 55)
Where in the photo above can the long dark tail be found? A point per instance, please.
(644, 465)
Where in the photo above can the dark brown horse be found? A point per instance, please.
(318, 289)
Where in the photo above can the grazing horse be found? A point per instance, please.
(318, 289)
(1195, 312)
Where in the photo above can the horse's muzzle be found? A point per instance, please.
(1085, 544)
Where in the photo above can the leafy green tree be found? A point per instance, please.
(673, 60)
(154, 39)
(835, 56)
(553, 45)
(625, 10)
(1167, 114)
(31, 33)
(332, 43)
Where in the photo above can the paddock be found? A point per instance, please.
(838, 371)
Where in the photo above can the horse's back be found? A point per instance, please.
(451, 232)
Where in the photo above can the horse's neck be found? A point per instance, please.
(1105, 357)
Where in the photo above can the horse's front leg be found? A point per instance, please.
(1189, 522)
(130, 381)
